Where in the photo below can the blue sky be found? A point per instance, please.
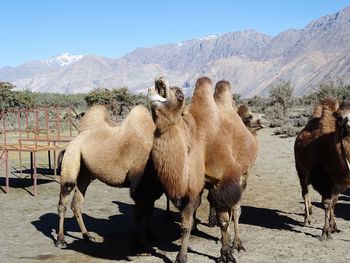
(38, 29)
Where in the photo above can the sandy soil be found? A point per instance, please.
(271, 219)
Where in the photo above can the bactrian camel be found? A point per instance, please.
(117, 156)
(194, 148)
(322, 154)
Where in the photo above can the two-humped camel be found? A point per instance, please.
(322, 154)
(194, 148)
(244, 145)
(117, 156)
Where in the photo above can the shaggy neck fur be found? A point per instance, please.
(170, 155)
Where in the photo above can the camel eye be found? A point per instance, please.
(179, 95)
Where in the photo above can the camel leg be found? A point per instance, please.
(237, 243)
(212, 213)
(326, 232)
(66, 188)
(307, 201)
(332, 223)
(186, 225)
(224, 219)
(196, 221)
(143, 214)
(77, 202)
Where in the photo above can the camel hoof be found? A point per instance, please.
(326, 236)
(307, 222)
(212, 222)
(61, 243)
(335, 229)
(181, 258)
(310, 210)
(226, 256)
(237, 245)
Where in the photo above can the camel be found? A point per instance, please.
(191, 149)
(253, 121)
(244, 145)
(115, 155)
(322, 151)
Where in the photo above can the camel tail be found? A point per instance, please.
(59, 161)
(226, 194)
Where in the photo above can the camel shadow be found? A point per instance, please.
(341, 210)
(116, 232)
(270, 218)
(267, 218)
(23, 183)
(345, 196)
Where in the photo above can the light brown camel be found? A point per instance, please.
(322, 152)
(117, 156)
(244, 145)
(191, 149)
(253, 121)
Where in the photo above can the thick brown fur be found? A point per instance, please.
(194, 148)
(322, 151)
(117, 156)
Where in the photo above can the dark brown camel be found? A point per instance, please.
(322, 152)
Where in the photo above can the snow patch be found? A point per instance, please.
(211, 37)
(62, 60)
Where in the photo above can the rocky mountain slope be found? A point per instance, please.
(250, 60)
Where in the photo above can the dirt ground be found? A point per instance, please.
(271, 219)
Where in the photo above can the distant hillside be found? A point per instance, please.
(250, 60)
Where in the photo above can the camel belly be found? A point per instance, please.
(106, 170)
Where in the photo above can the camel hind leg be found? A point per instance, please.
(62, 209)
(68, 181)
(333, 225)
(304, 183)
(78, 198)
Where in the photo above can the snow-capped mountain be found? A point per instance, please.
(250, 60)
(62, 60)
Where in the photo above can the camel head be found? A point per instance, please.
(343, 116)
(167, 103)
(251, 120)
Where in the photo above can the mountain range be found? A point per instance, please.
(250, 60)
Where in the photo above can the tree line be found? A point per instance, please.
(281, 107)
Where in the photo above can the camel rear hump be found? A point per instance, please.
(222, 94)
(139, 119)
(95, 117)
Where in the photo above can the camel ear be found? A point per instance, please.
(179, 95)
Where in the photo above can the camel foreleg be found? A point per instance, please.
(224, 219)
(237, 242)
(186, 226)
(326, 231)
(332, 223)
